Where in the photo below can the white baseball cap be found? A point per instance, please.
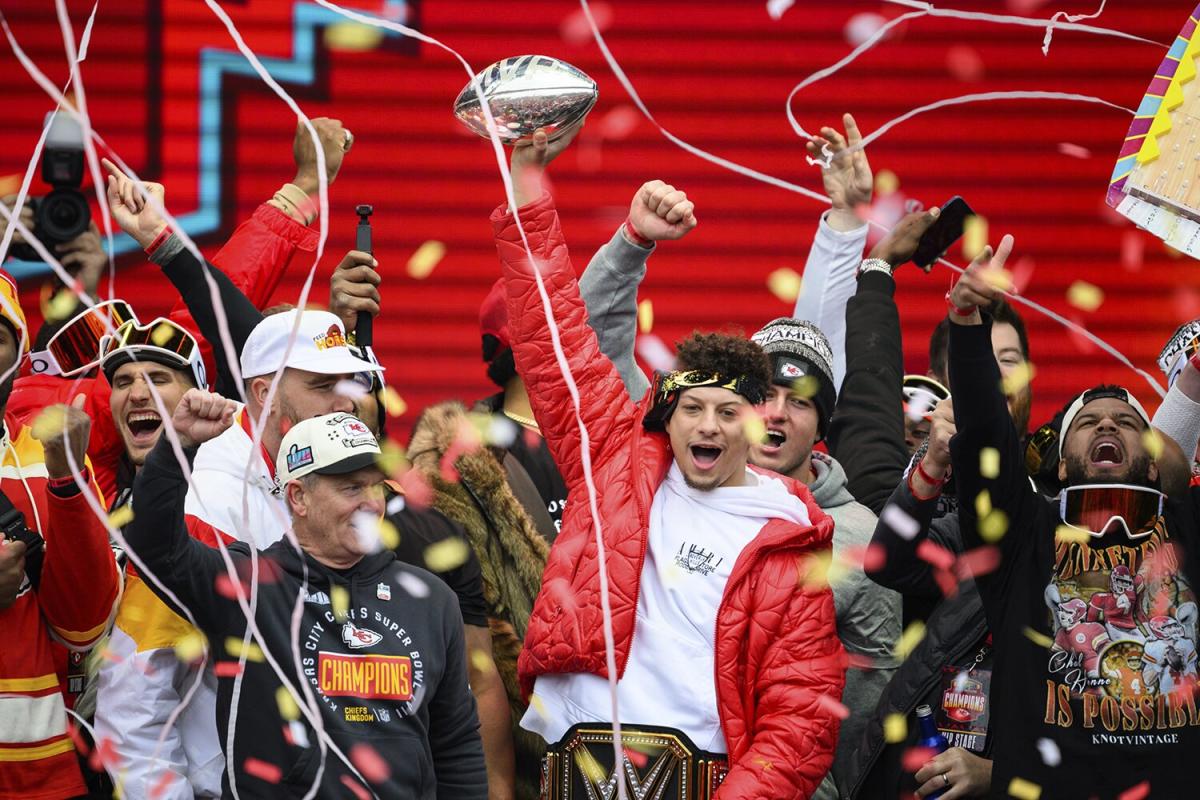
(333, 444)
(320, 346)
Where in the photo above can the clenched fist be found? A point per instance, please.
(62, 428)
(660, 211)
(201, 416)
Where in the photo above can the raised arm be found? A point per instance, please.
(841, 236)
(609, 285)
(79, 582)
(604, 404)
(983, 421)
(866, 434)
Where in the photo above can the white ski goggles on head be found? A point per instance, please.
(75, 347)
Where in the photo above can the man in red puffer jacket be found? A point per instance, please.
(711, 563)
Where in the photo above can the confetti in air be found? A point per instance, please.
(1049, 752)
(645, 314)
(421, 264)
(1085, 296)
(1024, 790)
(989, 462)
(894, 517)
(447, 554)
(785, 283)
(895, 728)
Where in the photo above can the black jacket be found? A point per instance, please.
(1112, 689)
(388, 680)
(866, 436)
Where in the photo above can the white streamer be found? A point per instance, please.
(1070, 18)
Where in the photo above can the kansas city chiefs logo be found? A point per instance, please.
(358, 638)
(791, 371)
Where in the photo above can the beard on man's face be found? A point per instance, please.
(1137, 473)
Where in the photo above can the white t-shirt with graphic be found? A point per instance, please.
(694, 541)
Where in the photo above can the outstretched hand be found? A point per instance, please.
(660, 211)
(136, 216)
(201, 416)
(848, 179)
(984, 280)
(530, 158)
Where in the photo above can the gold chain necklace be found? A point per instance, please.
(526, 421)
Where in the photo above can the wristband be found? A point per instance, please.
(163, 235)
(937, 488)
(960, 311)
(634, 237)
(292, 195)
(67, 487)
(925, 476)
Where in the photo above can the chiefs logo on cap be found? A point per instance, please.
(789, 370)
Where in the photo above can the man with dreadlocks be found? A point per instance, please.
(708, 559)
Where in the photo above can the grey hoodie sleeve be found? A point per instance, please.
(609, 287)
(828, 284)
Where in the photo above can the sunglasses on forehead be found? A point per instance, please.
(1095, 507)
(160, 340)
(75, 347)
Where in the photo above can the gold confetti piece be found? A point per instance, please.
(645, 315)
(886, 182)
(60, 306)
(235, 648)
(1039, 638)
(352, 36)
(806, 386)
(339, 600)
(121, 517)
(1085, 296)
(287, 704)
(162, 334)
(814, 570)
(1023, 789)
(975, 236)
(446, 554)
(1153, 442)
(754, 427)
(785, 284)
(393, 403)
(388, 535)
(391, 458)
(427, 256)
(909, 640)
(993, 527)
(983, 504)
(49, 423)
(895, 728)
(1000, 279)
(480, 660)
(589, 766)
(538, 705)
(1017, 378)
(1069, 535)
(989, 462)
(190, 647)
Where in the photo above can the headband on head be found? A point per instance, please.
(1098, 393)
(668, 386)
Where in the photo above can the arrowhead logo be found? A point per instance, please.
(358, 638)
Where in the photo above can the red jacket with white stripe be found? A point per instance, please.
(72, 606)
(779, 664)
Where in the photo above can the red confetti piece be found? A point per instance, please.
(575, 29)
(417, 491)
(353, 786)
(164, 782)
(1081, 342)
(1133, 251)
(1022, 274)
(227, 669)
(287, 735)
(980, 561)
(81, 745)
(916, 757)
(257, 768)
(227, 588)
(833, 706)
(874, 558)
(946, 582)
(1074, 150)
(636, 758)
(935, 554)
(366, 759)
(1139, 792)
(533, 440)
(964, 63)
(104, 756)
(620, 122)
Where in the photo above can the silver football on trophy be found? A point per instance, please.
(525, 93)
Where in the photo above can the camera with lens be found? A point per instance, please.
(62, 214)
